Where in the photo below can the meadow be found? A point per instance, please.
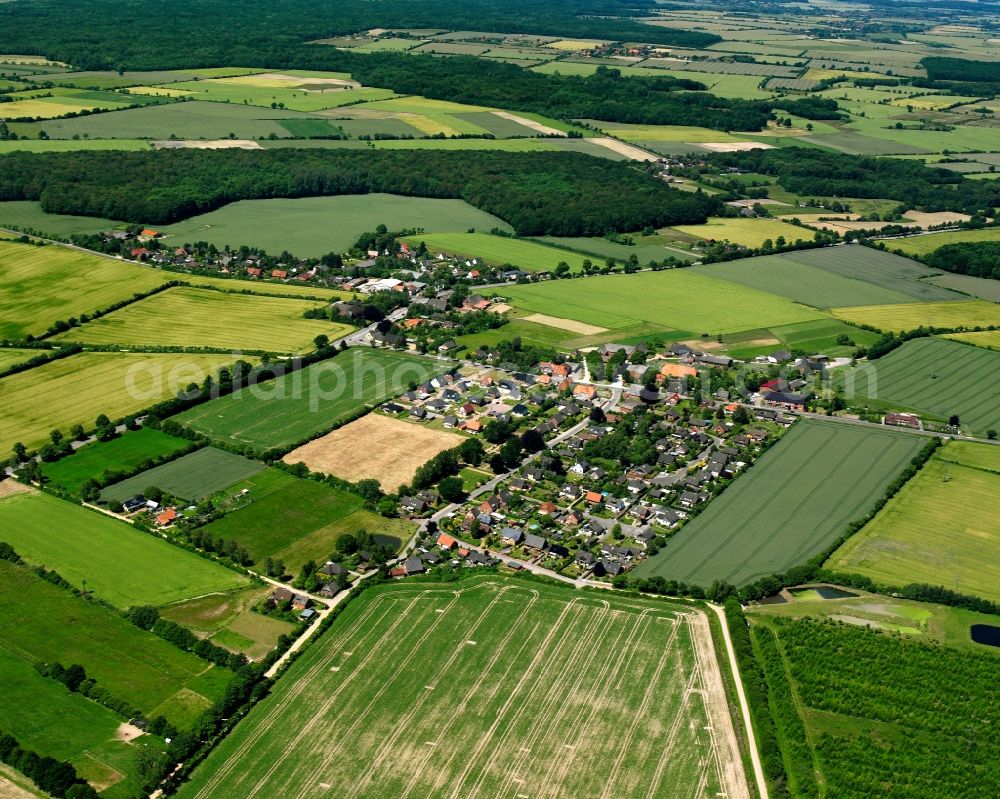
(746, 231)
(420, 668)
(296, 407)
(816, 336)
(39, 285)
(990, 339)
(314, 226)
(897, 318)
(54, 722)
(983, 288)
(940, 529)
(926, 244)
(646, 248)
(26, 215)
(10, 356)
(133, 665)
(678, 298)
(191, 477)
(122, 454)
(114, 562)
(295, 520)
(193, 317)
(75, 390)
(498, 250)
(788, 506)
(935, 377)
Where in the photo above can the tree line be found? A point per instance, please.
(538, 193)
(57, 778)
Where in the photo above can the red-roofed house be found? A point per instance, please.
(279, 274)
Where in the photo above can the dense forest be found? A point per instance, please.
(166, 34)
(537, 193)
(961, 69)
(819, 173)
(975, 258)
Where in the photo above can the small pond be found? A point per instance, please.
(777, 599)
(985, 634)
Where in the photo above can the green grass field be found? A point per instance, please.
(314, 226)
(816, 336)
(139, 667)
(191, 477)
(292, 409)
(939, 529)
(990, 339)
(499, 250)
(936, 377)
(981, 287)
(896, 318)
(797, 499)
(192, 317)
(118, 455)
(746, 231)
(679, 299)
(925, 245)
(524, 676)
(39, 285)
(54, 722)
(75, 390)
(646, 248)
(118, 564)
(9, 356)
(295, 520)
(26, 215)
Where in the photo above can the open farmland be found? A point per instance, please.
(39, 285)
(294, 408)
(25, 215)
(75, 390)
(981, 287)
(990, 339)
(926, 244)
(191, 477)
(796, 500)
(118, 564)
(646, 248)
(680, 299)
(295, 520)
(314, 226)
(10, 356)
(192, 317)
(54, 722)
(896, 318)
(940, 529)
(381, 447)
(936, 377)
(133, 665)
(523, 675)
(746, 231)
(499, 250)
(122, 454)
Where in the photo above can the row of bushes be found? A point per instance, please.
(55, 777)
(148, 618)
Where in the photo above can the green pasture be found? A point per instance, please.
(77, 389)
(248, 91)
(191, 477)
(292, 409)
(314, 226)
(121, 454)
(927, 243)
(645, 248)
(796, 500)
(116, 563)
(498, 250)
(9, 356)
(26, 215)
(67, 145)
(750, 232)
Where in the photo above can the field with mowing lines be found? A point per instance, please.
(133, 665)
(75, 390)
(118, 564)
(12, 356)
(990, 339)
(295, 520)
(191, 477)
(374, 447)
(896, 318)
(981, 287)
(678, 298)
(122, 454)
(925, 245)
(499, 250)
(745, 231)
(545, 690)
(314, 226)
(958, 489)
(788, 506)
(936, 377)
(39, 285)
(192, 317)
(294, 408)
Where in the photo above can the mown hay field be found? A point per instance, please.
(191, 477)
(118, 564)
(499, 250)
(133, 665)
(935, 377)
(796, 500)
(75, 390)
(376, 447)
(491, 687)
(296, 407)
(39, 285)
(192, 317)
(940, 529)
(746, 231)
(896, 318)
